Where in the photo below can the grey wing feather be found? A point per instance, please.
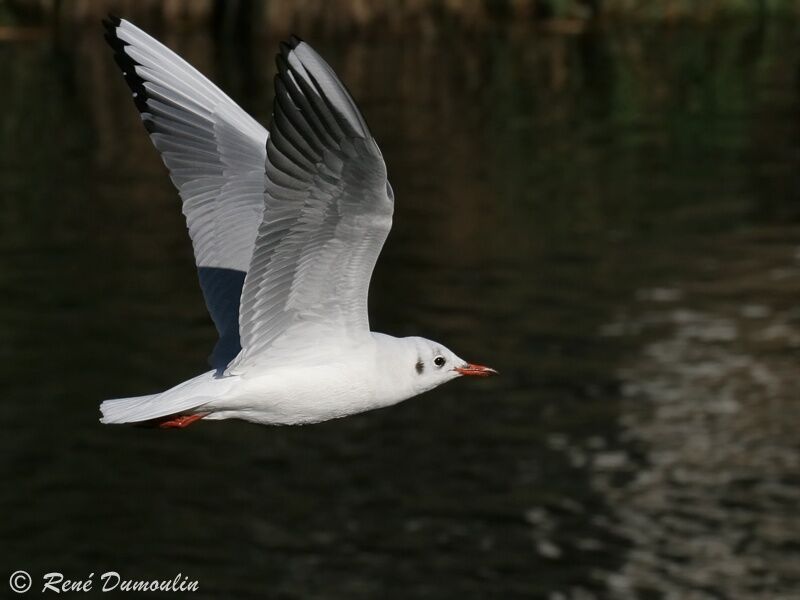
(327, 214)
(215, 153)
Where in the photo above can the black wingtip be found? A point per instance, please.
(286, 48)
(126, 64)
(288, 45)
(112, 40)
(281, 63)
(111, 21)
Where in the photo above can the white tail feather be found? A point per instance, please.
(145, 408)
(182, 399)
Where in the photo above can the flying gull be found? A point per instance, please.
(286, 227)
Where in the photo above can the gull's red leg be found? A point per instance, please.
(181, 421)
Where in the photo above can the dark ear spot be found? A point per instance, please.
(420, 366)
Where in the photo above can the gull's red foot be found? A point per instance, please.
(181, 422)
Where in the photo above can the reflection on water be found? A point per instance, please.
(710, 414)
(609, 218)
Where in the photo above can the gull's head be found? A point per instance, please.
(432, 364)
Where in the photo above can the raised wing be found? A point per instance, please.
(328, 212)
(215, 154)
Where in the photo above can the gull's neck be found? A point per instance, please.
(394, 362)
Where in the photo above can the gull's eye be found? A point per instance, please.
(439, 361)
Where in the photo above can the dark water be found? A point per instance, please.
(611, 219)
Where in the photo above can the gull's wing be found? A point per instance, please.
(215, 154)
(328, 210)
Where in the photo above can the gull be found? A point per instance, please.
(286, 228)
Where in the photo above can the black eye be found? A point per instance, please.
(439, 361)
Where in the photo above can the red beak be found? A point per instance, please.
(475, 370)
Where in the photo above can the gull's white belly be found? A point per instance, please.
(294, 395)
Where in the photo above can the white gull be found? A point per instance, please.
(286, 228)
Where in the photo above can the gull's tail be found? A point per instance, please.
(181, 400)
(126, 410)
(146, 408)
